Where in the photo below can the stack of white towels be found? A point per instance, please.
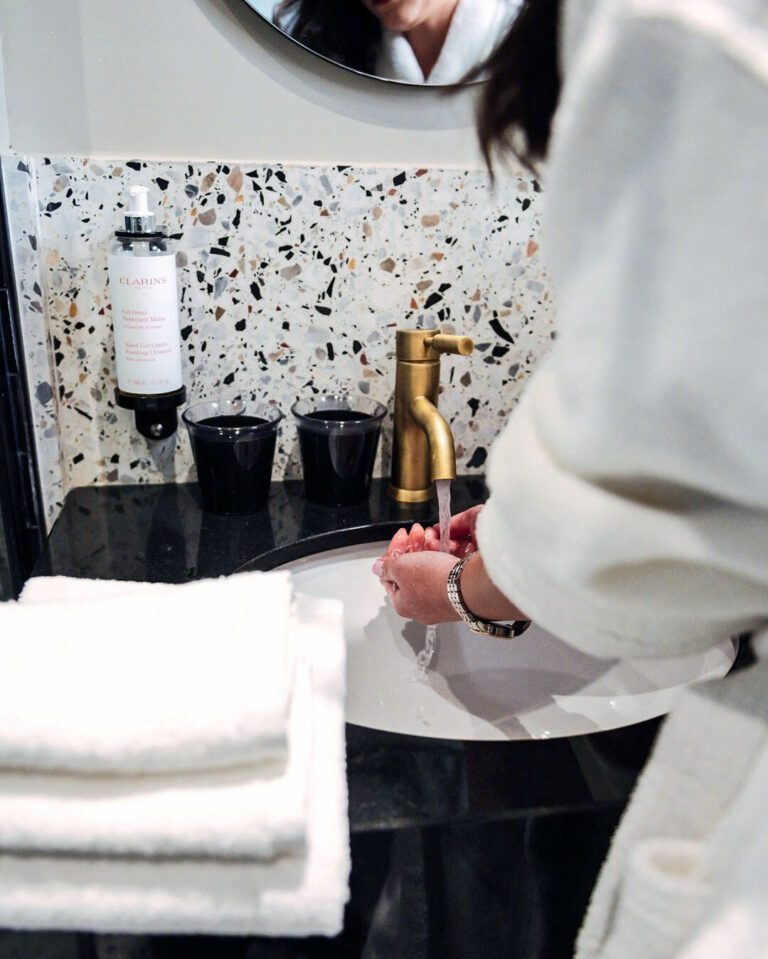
(172, 758)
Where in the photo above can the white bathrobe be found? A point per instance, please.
(687, 872)
(476, 28)
(629, 491)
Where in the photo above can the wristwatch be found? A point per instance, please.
(484, 626)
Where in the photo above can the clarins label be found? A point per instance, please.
(144, 281)
(145, 320)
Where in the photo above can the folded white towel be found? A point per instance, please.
(249, 812)
(63, 589)
(148, 679)
(294, 895)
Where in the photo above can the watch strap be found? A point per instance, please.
(475, 623)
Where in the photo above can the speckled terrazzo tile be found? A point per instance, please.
(77, 206)
(99, 443)
(293, 280)
(20, 184)
(377, 259)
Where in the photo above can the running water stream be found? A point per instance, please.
(424, 658)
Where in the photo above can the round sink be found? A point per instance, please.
(532, 687)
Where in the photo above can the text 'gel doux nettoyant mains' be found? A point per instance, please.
(145, 319)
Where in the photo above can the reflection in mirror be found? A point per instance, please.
(436, 42)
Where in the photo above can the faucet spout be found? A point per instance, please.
(442, 452)
(422, 444)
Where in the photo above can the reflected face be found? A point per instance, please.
(404, 15)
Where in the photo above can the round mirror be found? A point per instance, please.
(434, 42)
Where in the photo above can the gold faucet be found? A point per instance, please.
(423, 449)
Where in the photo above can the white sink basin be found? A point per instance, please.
(533, 687)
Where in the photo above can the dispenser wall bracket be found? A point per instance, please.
(156, 416)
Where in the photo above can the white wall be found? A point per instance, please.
(206, 79)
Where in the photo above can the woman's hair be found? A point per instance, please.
(341, 30)
(520, 97)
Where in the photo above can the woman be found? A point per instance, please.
(414, 41)
(628, 508)
(629, 491)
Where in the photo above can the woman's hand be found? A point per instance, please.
(404, 542)
(417, 585)
(415, 575)
(462, 532)
(462, 537)
(416, 578)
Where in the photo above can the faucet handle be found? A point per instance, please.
(419, 346)
(444, 343)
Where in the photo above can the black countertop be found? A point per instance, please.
(158, 533)
(461, 850)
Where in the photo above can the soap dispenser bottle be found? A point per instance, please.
(145, 319)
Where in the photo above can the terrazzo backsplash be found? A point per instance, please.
(292, 280)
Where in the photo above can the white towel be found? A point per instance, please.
(293, 895)
(158, 679)
(71, 589)
(249, 812)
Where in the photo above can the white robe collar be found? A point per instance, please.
(476, 27)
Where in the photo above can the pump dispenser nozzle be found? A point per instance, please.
(139, 218)
(137, 200)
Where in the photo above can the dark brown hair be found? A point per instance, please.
(523, 86)
(344, 31)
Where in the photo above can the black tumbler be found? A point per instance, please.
(338, 438)
(233, 442)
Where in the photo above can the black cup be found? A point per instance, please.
(233, 442)
(338, 438)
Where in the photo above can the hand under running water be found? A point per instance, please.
(463, 540)
(462, 533)
(415, 574)
(415, 577)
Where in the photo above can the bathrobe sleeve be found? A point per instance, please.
(628, 509)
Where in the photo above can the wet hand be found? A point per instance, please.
(415, 574)
(417, 584)
(462, 532)
(403, 542)
(416, 578)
